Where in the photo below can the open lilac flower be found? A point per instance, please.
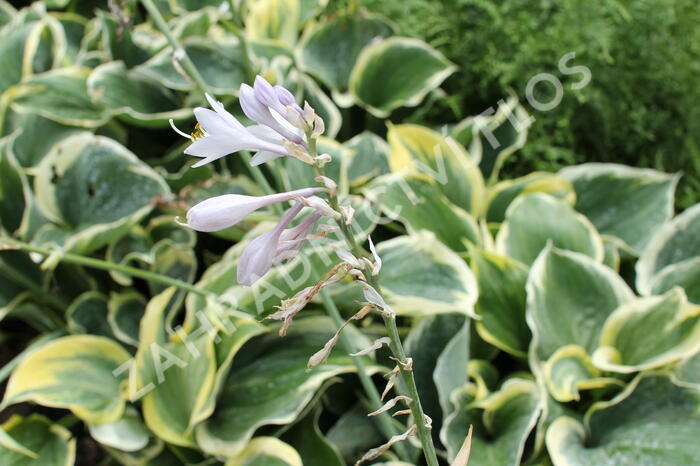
(270, 247)
(221, 212)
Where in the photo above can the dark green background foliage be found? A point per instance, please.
(641, 108)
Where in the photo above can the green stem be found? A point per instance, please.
(94, 263)
(396, 346)
(384, 421)
(178, 49)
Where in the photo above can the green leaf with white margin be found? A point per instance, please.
(669, 325)
(51, 443)
(134, 97)
(330, 48)
(274, 19)
(354, 433)
(219, 62)
(687, 372)
(419, 149)
(569, 298)
(266, 451)
(501, 195)
(652, 422)
(685, 274)
(676, 241)
(74, 372)
(534, 220)
(269, 384)
(414, 199)
(422, 276)
(369, 159)
(502, 423)
(13, 41)
(175, 260)
(29, 149)
(449, 373)
(127, 434)
(501, 303)
(625, 202)
(570, 370)
(59, 95)
(396, 72)
(491, 139)
(96, 190)
(313, 447)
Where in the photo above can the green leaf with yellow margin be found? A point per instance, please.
(396, 72)
(266, 451)
(675, 242)
(51, 443)
(669, 325)
(274, 19)
(502, 194)
(501, 303)
(422, 276)
(626, 202)
(421, 150)
(652, 422)
(95, 190)
(502, 423)
(269, 383)
(569, 298)
(570, 370)
(74, 372)
(534, 220)
(414, 199)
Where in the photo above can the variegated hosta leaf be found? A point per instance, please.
(501, 195)
(263, 451)
(60, 95)
(535, 220)
(49, 444)
(76, 373)
(652, 422)
(419, 149)
(625, 202)
(422, 276)
(269, 383)
(415, 200)
(274, 19)
(179, 379)
(321, 55)
(126, 434)
(95, 189)
(124, 314)
(685, 274)
(323, 105)
(673, 245)
(354, 433)
(396, 72)
(570, 370)
(648, 333)
(370, 158)
(29, 149)
(569, 298)
(220, 63)
(449, 373)
(491, 139)
(88, 314)
(501, 303)
(687, 372)
(502, 423)
(133, 96)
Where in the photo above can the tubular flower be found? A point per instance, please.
(221, 212)
(270, 247)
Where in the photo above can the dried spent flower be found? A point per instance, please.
(390, 404)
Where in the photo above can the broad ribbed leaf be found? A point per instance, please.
(625, 202)
(534, 220)
(396, 72)
(76, 373)
(569, 298)
(422, 276)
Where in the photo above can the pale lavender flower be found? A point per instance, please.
(221, 212)
(272, 246)
(267, 105)
(221, 134)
